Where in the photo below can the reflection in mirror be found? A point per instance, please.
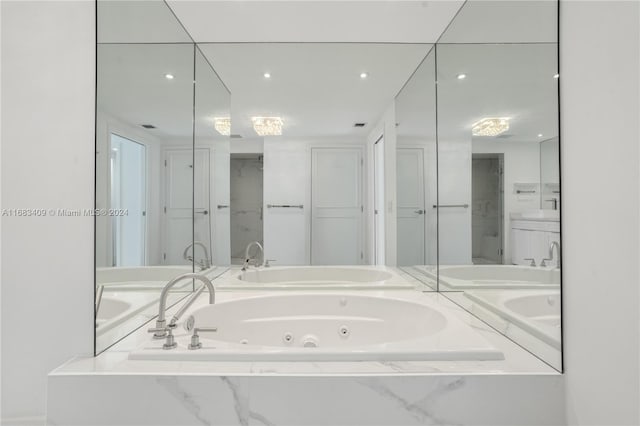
(306, 184)
(499, 230)
(144, 174)
(211, 169)
(416, 158)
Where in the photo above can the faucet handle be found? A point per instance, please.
(195, 338)
(167, 331)
(533, 261)
(544, 262)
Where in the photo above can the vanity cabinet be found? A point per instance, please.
(530, 239)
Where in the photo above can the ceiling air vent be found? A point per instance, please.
(148, 126)
(359, 124)
(236, 136)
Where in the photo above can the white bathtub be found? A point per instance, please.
(141, 277)
(535, 311)
(321, 326)
(315, 277)
(463, 277)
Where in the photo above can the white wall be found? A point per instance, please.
(599, 150)
(521, 165)
(47, 162)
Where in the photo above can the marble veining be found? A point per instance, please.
(421, 409)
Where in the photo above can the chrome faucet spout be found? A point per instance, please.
(550, 258)
(161, 321)
(247, 256)
(206, 263)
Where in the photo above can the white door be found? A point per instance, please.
(336, 221)
(202, 214)
(178, 208)
(378, 202)
(411, 208)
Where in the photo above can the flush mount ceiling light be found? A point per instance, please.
(461, 76)
(168, 76)
(490, 126)
(539, 135)
(267, 75)
(222, 125)
(267, 126)
(556, 76)
(364, 75)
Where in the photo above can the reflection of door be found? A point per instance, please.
(178, 226)
(378, 202)
(336, 222)
(128, 192)
(202, 214)
(411, 209)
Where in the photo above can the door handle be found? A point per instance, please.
(205, 212)
(419, 211)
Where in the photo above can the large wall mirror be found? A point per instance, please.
(144, 167)
(276, 166)
(498, 189)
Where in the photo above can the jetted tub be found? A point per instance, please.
(328, 277)
(464, 277)
(535, 311)
(322, 326)
(141, 277)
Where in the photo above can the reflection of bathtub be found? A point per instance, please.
(534, 311)
(141, 277)
(324, 326)
(119, 307)
(305, 277)
(461, 277)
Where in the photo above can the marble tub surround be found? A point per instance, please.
(524, 390)
(317, 277)
(263, 400)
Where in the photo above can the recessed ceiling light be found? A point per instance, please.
(168, 76)
(461, 76)
(556, 76)
(364, 75)
(539, 135)
(267, 75)
(490, 126)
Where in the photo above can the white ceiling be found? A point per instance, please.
(315, 21)
(504, 21)
(315, 88)
(132, 86)
(505, 80)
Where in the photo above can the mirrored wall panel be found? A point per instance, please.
(304, 189)
(499, 244)
(212, 126)
(417, 168)
(144, 165)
